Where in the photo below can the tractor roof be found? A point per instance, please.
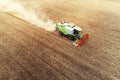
(72, 25)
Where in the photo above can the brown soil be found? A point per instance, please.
(28, 52)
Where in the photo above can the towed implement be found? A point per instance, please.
(71, 32)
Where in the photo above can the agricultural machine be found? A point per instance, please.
(71, 32)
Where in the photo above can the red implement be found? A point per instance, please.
(83, 39)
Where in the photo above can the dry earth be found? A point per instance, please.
(28, 52)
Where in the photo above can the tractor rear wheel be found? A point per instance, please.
(61, 33)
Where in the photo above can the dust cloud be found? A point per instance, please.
(30, 16)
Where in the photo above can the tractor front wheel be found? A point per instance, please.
(69, 37)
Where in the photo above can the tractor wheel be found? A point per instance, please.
(69, 37)
(61, 33)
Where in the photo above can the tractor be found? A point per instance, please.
(71, 32)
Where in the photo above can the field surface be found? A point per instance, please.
(28, 52)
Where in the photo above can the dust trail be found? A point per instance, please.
(30, 16)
